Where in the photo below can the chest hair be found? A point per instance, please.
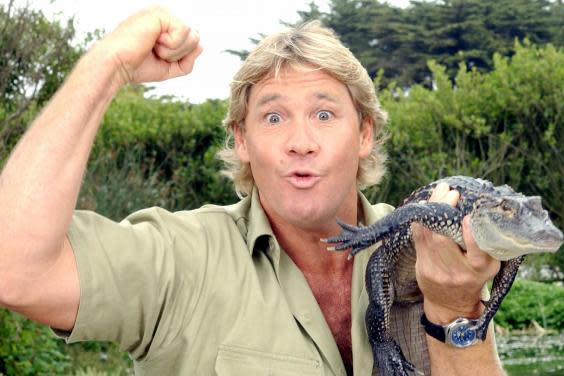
(334, 299)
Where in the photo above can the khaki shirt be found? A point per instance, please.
(210, 291)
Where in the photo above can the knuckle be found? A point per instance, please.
(443, 279)
(162, 51)
(194, 37)
(158, 8)
(484, 263)
(492, 268)
(442, 242)
(432, 276)
(462, 280)
(182, 34)
(479, 263)
(185, 30)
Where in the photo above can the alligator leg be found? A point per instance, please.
(438, 217)
(388, 356)
(500, 287)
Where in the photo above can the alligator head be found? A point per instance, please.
(508, 224)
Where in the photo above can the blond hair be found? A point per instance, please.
(310, 44)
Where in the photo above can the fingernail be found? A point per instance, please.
(442, 189)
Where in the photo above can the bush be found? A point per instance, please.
(530, 300)
(27, 348)
(98, 358)
(506, 126)
(154, 151)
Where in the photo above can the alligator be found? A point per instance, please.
(504, 223)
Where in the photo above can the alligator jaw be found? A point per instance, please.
(502, 244)
(512, 224)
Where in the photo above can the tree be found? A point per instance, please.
(35, 56)
(471, 31)
(401, 41)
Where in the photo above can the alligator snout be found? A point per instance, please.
(553, 237)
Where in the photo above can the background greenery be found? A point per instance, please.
(472, 87)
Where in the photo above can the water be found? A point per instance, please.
(532, 355)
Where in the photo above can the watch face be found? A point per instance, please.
(460, 334)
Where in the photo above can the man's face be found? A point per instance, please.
(303, 139)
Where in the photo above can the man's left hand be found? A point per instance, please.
(450, 278)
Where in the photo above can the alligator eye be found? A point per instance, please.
(506, 206)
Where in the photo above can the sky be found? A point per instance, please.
(222, 24)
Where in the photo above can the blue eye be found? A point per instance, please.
(273, 118)
(324, 115)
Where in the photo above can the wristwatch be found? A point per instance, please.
(460, 333)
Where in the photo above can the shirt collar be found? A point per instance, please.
(252, 221)
(372, 213)
(254, 225)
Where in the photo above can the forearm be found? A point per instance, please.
(41, 180)
(479, 359)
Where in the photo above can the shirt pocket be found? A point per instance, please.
(240, 361)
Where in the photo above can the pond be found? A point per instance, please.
(532, 355)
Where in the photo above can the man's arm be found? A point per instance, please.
(40, 182)
(452, 282)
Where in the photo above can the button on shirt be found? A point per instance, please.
(210, 291)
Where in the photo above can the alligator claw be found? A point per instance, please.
(350, 237)
(481, 328)
(390, 361)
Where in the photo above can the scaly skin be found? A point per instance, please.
(507, 225)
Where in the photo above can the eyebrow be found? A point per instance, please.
(268, 98)
(327, 97)
(274, 97)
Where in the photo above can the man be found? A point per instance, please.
(244, 289)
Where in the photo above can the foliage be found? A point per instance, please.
(450, 32)
(400, 41)
(27, 348)
(98, 358)
(530, 300)
(35, 56)
(156, 151)
(505, 126)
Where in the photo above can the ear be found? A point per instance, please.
(240, 143)
(366, 141)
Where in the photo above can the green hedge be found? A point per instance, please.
(30, 349)
(506, 126)
(530, 300)
(156, 151)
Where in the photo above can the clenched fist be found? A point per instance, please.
(151, 45)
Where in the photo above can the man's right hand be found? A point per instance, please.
(151, 45)
(40, 182)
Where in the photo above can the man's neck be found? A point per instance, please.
(307, 251)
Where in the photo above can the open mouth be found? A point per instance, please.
(302, 180)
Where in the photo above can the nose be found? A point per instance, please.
(301, 140)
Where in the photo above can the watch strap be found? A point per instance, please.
(434, 330)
